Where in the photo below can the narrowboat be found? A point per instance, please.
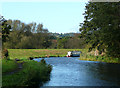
(74, 54)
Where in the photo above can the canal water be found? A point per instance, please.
(69, 71)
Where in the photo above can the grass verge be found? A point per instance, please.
(8, 65)
(90, 57)
(32, 74)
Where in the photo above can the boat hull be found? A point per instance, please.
(74, 54)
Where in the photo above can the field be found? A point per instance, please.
(26, 53)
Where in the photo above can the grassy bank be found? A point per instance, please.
(90, 57)
(26, 53)
(32, 74)
(8, 65)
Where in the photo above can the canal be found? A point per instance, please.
(69, 71)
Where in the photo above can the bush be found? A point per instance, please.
(5, 54)
(43, 61)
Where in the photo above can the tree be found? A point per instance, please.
(39, 28)
(5, 29)
(101, 27)
(61, 43)
(75, 42)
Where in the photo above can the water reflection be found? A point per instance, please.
(73, 72)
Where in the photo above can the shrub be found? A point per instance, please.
(5, 53)
(43, 61)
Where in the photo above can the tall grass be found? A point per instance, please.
(90, 57)
(33, 74)
(8, 65)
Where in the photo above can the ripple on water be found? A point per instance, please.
(74, 72)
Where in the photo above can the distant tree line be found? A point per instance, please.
(101, 27)
(71, 42)
(26, 36)
(18, 35)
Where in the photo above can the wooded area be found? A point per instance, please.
(101, 27)
(18, 35)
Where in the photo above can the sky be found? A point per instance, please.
(60, 17)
